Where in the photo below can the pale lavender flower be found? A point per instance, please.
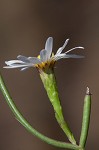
(46, 57)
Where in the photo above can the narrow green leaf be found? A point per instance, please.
(86, 119)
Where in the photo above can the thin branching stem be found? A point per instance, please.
(25, 123)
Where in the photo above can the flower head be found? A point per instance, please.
(45, 59)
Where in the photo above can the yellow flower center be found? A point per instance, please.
(45, 65)
(38, 56)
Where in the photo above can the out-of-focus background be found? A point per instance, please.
(24, 27)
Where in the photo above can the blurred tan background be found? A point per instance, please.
(24, 27)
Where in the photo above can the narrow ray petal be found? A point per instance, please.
(43, 55)
(24, 68)
(60, 56)
(11, 62)
(49, 46)
(23, 58)
(61, 48)
(78, 47)
(34, 60)
(67, 56)
(15, 66)
(73, 56)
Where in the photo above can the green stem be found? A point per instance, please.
(24, 122)
(49, 81)
(86, 119)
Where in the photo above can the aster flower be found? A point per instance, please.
(45, 64)
(45, 59)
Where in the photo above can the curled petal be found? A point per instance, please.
(61, 48)
(78, 47)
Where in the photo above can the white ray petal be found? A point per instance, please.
(73, 56)
(13, 62)
(59, 56)
(61, 48)
(43, 55)
(24, 68)
(15, 66)
(78, 47)
(34, 60)
(23, 58)
(49, 46)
